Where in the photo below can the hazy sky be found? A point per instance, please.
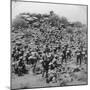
(72, 12)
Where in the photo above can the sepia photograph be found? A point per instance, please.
(49, 44)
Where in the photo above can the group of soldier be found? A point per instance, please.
(49, 59)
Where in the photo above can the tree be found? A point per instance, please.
(19, 22)
(77, 24)
(64, 20)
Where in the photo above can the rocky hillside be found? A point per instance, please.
(47, 29)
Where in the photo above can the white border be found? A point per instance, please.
(5, 44)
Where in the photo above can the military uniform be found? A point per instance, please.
(79, 57)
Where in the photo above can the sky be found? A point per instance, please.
(71, 12)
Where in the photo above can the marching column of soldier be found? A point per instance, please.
(51, 60)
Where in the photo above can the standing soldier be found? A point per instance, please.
(68, 53)
(84, 55)
(79, 56)
(45, 65)
(64, 55)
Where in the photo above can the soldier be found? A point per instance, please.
(44, 57)
(85, 58)
(52, 75)
(45, 64)
(16, 56)
(84, 55)
(47, 49)
(21, 67)
(27, 58)
(68, 53)
(79, 56)
(64, 56)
